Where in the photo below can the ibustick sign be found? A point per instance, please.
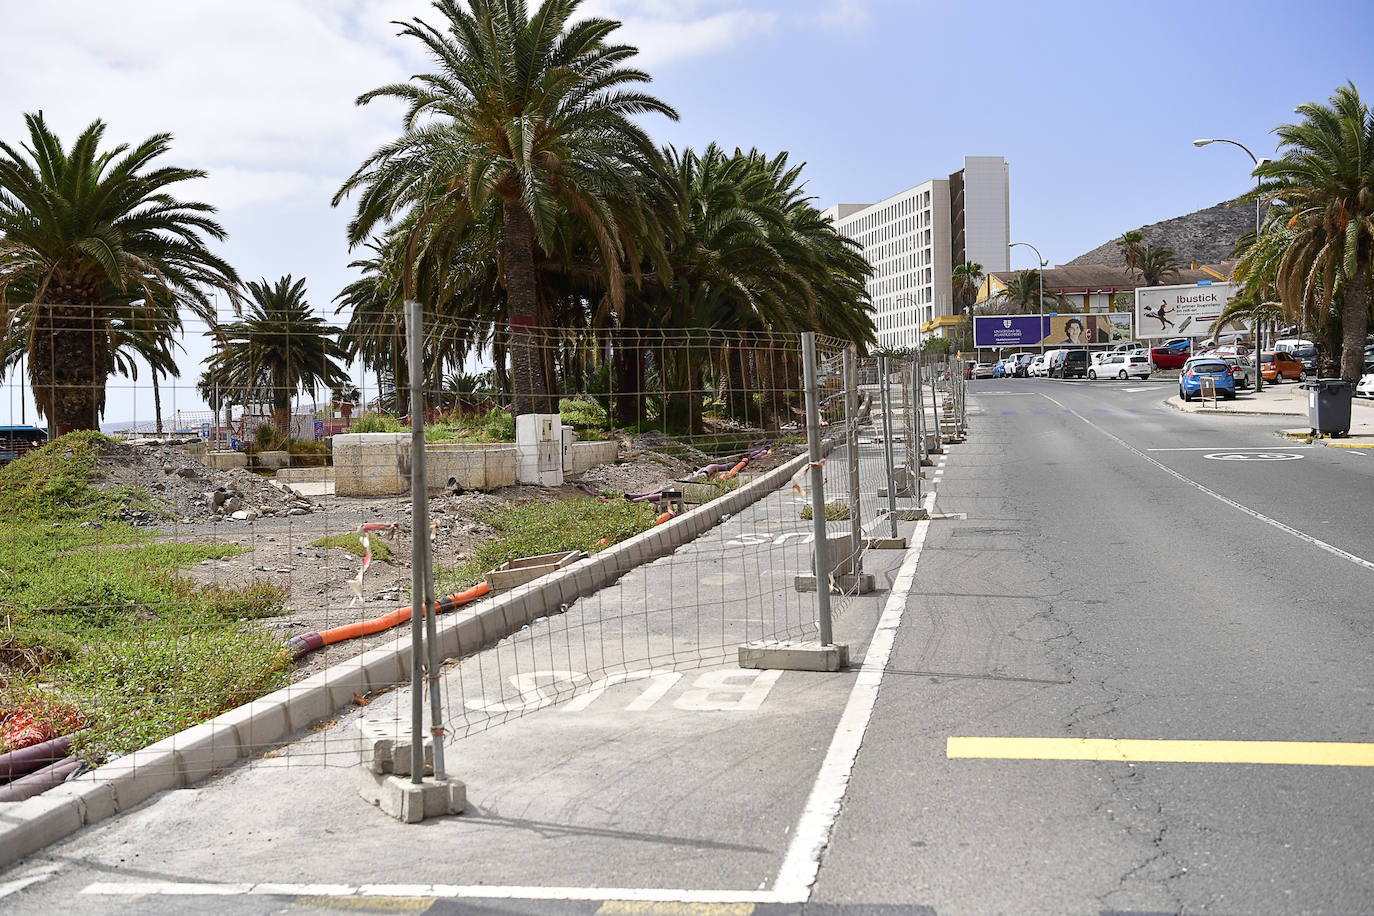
(1183, 311)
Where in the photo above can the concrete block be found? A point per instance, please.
(861, 584)
(202, 749)
(344, 680)
(273, 460)
(95, 798)
(386, 745)
(411, 802)
(141, 775)
(381, 667)
(309, 701)
(260, 724)
(227, 460)
(794, 656)
(36, 822)
(885, 543)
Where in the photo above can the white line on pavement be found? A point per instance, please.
(1235, 448)
(495, 892)
(1302, 536)
(803, 860)
(33, 877)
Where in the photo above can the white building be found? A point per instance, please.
(915, 239)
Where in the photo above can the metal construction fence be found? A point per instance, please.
(682, 495)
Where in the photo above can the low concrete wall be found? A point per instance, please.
(300, 475)
(378, 464)
(579, 456)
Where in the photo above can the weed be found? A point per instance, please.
(381, 550)
(376, 423)
(547, 527)
(834, 512)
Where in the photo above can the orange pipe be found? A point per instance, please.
(734, 470)
(664, 517)
(397, 617)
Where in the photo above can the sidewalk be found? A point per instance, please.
(1288, 400)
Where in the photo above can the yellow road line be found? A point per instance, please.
(658, 908)
(1303, 753)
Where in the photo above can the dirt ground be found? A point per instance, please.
(195, 503)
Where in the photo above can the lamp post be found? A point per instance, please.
(1040, 275)
(1259, 330)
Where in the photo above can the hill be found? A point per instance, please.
(1205, 236)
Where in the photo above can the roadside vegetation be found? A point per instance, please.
(535, 528)
(98, 624)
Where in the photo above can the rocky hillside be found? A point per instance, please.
(1206, 236)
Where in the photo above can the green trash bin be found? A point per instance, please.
(1328, 406)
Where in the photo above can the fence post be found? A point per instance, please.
(935, 408)
(813, 447)
(885, 390)
(920, 399)
(851, 399)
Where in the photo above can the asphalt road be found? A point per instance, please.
(1117, 580)
(1101, 567)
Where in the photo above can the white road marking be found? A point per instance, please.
(1213, 448)
(496, 892)
(1252, 456)
(1302, 536)
(33, 877)
(1146, 388)
(803, 860)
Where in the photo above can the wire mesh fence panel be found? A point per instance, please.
(239, 545)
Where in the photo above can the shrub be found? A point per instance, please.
(376, 423)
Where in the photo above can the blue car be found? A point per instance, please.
(1206, 367)
(999, 370)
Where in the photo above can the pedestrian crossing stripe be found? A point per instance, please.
(1135, 750)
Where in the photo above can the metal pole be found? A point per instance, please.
(419, 538)
(885, 388)
(813, 447)
(920, 425)
(851, 398)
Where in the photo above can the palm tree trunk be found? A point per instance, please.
(531, 393)
(1355, 321)
(67, 365)
(157, 402)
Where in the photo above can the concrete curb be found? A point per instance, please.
(191, 756)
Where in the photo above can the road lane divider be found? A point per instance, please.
(1143, 750)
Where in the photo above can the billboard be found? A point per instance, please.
(1065, 329)
(1184, 311)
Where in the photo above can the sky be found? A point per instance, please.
(1094, 106)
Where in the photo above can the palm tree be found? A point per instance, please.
(1132, 245)
(96, 261)
(527, 116)
(1325, 180)
(277, 348)
(1156, 264)
(1022, 295)
(965, 281)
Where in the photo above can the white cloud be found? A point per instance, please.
(845, 14)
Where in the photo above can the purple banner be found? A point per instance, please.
(1010, 330)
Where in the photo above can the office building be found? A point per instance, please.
(915, 239)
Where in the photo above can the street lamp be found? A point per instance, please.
(1040, 274)
(1259, 330)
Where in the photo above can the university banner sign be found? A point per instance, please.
(1059, 330)
(1184, 311)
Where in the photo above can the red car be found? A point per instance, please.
(1171, 356)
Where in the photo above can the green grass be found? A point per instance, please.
(381, 550)
(493, 426)
(98, 618)
(834, 512)
(535, 528)
(376, 423)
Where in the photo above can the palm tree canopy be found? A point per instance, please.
(97, 259)
(1325, 180)
(1022, 295)
(277, 347)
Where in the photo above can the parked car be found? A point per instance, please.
(1195, 370)
(1276, 365)
(982, 370)
(1023, 363)
(1072, 364)
(1171, 355)
(1036, 369)
(1305, 355)
(1242, 370)
(1365, 386)
(1122, 366)
(1051, 358)
(18, 441)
